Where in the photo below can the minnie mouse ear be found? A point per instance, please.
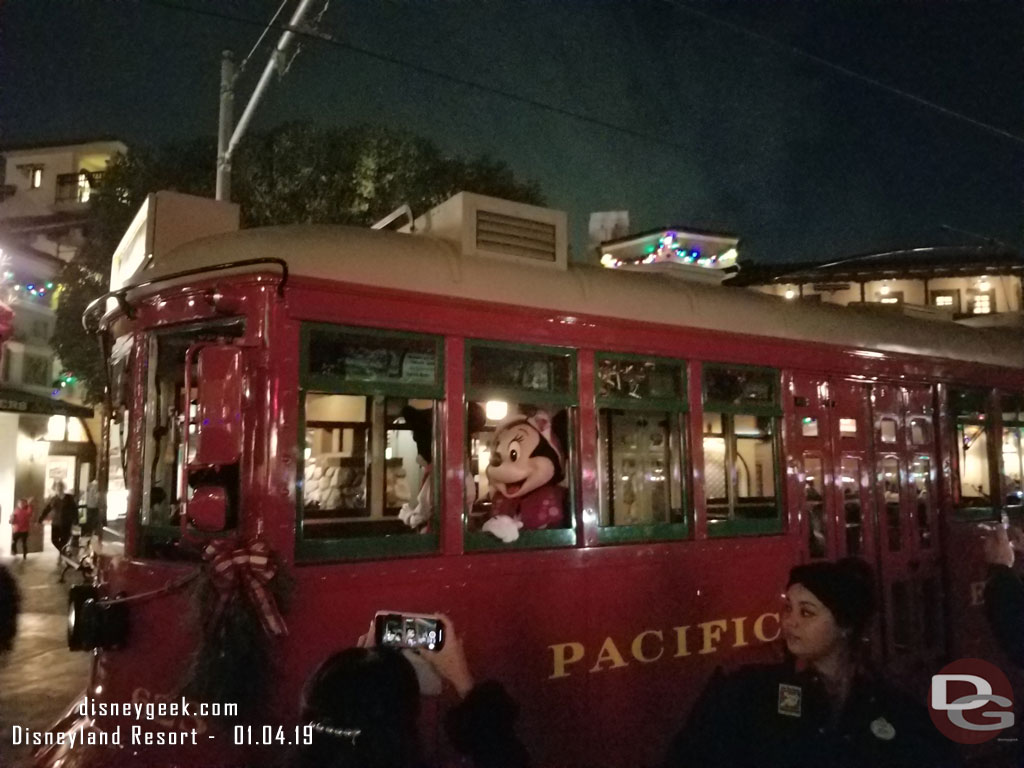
(541, 421)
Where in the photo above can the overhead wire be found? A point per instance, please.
(839, 68)
(263, 35)
(437, 73)
(312, 33)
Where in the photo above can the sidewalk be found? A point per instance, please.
(40, 678)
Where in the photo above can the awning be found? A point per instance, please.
(18, 401)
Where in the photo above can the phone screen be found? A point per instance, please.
(398, 630)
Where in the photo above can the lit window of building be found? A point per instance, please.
(981, 303)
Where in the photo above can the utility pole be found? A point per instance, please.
(228, 137)
(224, 124)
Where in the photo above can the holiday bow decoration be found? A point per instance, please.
(248, 567)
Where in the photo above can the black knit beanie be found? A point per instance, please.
(845, 587)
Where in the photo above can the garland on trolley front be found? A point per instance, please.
(236, 602)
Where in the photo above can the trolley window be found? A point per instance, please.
(520, 422)
(1012, 405)
(367, 440)
(973, 486)
(167, 397)
(741, 449)
(641, 436)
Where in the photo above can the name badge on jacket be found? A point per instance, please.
(790, 699)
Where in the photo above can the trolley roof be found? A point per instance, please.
(433, 266)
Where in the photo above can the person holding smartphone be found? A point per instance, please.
(1004, 595)
(363, 704)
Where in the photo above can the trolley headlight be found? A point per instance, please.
(93, 624)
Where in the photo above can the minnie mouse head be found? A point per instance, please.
(525, 455)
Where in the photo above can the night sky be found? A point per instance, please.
(745, 135)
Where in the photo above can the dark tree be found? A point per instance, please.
(296, 173)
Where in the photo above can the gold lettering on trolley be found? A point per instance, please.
(609, 653)
(648, 645)
(737, 630)
(759, 627)
(681, 649)
(712, 633)
(638, 646)
(562, 660)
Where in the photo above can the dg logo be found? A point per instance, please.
(971, 701)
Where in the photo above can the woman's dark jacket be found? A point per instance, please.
(482, 727)
(1004, 604)
(771, 716)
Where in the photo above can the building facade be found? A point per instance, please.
(976, 285)
(45, 193)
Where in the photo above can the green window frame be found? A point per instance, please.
(970, 407)
(743, 403)
(563, 396)
(1012, 406)
(412, 382)
(616, 390)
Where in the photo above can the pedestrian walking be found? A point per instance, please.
(64, 509)
(21, 522)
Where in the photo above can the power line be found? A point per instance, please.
(440, 74)
(846, 71)
(263, 36)
(513, 96)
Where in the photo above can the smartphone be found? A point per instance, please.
(408, 630)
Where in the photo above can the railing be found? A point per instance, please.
(78, 187)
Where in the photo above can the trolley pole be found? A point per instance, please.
(228, 137)
(225, 124)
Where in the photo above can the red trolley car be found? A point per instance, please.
(712, 438)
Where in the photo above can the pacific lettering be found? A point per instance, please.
(648, 646)
(608, 653)
(562, 660)
(638, 646)
(681, 641)
(737, 630)
(712, 633)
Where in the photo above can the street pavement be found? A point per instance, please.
(40, 677)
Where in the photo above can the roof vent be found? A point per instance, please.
(515, 236)
(489, 226)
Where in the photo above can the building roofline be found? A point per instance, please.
(680, 229)
(940, 260)
(59, 143)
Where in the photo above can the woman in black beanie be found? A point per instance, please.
(822, 706)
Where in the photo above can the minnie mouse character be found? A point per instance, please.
(524, 474)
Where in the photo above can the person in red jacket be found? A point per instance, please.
(21, 521)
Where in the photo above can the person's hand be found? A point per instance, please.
(368, 640)
(450, 660)
(997, 548)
